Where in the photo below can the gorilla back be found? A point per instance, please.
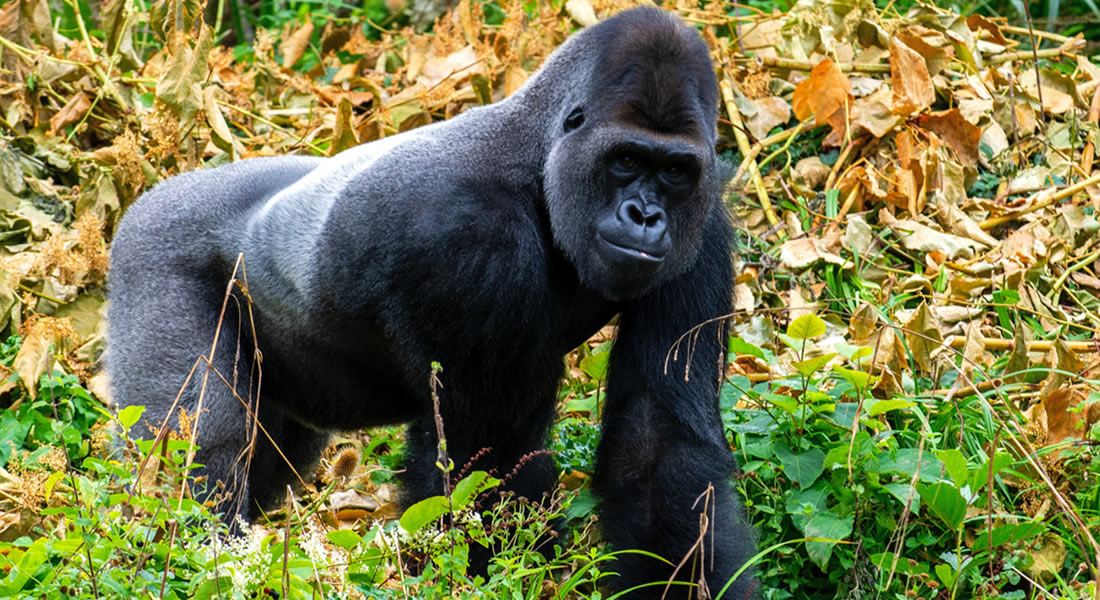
(494, 243)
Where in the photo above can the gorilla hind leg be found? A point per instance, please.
(285, 452)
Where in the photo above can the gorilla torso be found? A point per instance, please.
(374, 276)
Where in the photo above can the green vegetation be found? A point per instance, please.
(911, 387)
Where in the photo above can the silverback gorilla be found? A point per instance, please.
(493, 243)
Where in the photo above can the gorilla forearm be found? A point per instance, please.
(663, 442)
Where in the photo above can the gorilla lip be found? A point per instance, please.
(634, 253)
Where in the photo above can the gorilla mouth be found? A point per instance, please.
(620, 253)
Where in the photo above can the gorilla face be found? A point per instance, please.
(631, 176)
(627, 205)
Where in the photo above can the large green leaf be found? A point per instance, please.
(473, 484)
(812, 365)
(827, 525)
(806, 327)
(944, 501)
(803, 469)
(426, 511)
(954, 462)
(909, 461)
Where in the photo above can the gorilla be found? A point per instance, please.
(493, 243)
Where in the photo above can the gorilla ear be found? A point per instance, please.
(574, 120)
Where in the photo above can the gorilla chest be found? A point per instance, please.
(494, 331)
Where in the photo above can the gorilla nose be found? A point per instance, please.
(648, 221)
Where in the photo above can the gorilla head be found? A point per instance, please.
(638, 142)
(493, 243)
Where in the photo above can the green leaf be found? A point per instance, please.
(827, 525)
(27, 566)
(785, 403)
(213, 587)
(803, 468)
(473, 484)
(1008, 533)
(903, 492)
(584, 404)
(345, 538)
(595, 365)
(820, 400)
(51, 481)
(422, 513)
(954, 462)
(885, 560)
(740, 346)
(854, 354)
(946, 574)
(801, 504)
(945, 501)
(806, 327)
(583, 505)
(979, 477)
(729, 393)
(810, 366)
(858, 379)
(879, 407)
(904, 461)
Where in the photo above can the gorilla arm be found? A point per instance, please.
(663, 443)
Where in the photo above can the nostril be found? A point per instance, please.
(654, 220)
(632, 211)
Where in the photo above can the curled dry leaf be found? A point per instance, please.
(913, 86)
(1069, 414)
(826, 95)
(958, 133)
(770, 113)
(294, 45)
(582, 12)
(920, 237)
(73, 111)
(43, 336)
(922, 332)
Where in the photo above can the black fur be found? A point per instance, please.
(493, 243)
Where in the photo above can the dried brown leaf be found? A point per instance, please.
(1067, 416)
(978, 22)
(178, 86)
(958, 133)
(1064, 364)
(825, 94)
(42, 336)
(771, 112)
(912, 82)
(922, 332)
(920, 237)
(219, 130)
(582, 12)
(73, 111)
(343, 133)
(873, 113)
(294, 45)
(974, 349)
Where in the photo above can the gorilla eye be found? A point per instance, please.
(628, 161)
(574, 120)
(677, 173)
